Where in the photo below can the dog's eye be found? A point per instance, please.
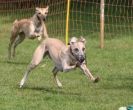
(83, 49)
(39, 13)
(46, 13)
(76, 49)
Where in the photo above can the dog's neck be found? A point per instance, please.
(37, 20)
(71, 55)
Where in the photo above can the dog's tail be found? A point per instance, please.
(15, 28)
(15, 21)
(15, 25)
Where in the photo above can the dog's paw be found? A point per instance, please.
(96, 80)
(20, 86)
(21, 83)
(59, 85)
(39, 38)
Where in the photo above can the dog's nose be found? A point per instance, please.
(82, 58)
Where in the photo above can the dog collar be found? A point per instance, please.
(73, 54)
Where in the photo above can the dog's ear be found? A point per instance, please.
(73, 40)
(81, 39)
(47, 7)
(37, 9)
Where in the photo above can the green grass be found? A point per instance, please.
(113, 65)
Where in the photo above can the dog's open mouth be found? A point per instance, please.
(44, 18)
(81, 60)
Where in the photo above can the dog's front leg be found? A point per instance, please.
(45, 34)
(34, 35)
(67, 67)
(88, 73)
(31, 33)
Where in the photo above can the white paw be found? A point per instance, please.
(59, 85)
(20, 86)
(39, 38)
(21, 83)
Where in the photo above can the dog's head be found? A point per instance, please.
(42, 12)
(77, 48)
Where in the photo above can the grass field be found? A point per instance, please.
(113, 65)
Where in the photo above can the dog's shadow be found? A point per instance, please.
(53, 90)
(14, 63)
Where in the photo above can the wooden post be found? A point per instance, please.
(67, 21)
(102, 24)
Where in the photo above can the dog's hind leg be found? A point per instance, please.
(37, 57)
(12, 40)
(20, 38)
(55, 71)
(26, 74)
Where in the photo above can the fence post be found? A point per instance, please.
(67, 21)
(102, 24)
